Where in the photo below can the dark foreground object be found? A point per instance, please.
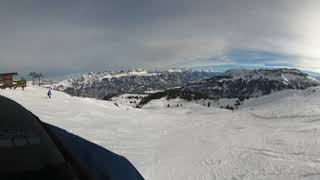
(30, 149)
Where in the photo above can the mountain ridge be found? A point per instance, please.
(242, 84)
(105, 85)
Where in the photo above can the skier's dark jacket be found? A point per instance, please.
(32, 150)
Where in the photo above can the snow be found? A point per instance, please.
(132, 73)
(128, 99)
(175, 70)
(286, 75)
(90, 78)
(94, 159)
(62, 85)
(271, 137)
(313, 78)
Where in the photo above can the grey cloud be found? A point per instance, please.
(76, 36)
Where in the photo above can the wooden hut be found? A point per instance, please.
(7, 76)
(7, 81)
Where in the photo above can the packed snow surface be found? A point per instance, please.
(271, 137)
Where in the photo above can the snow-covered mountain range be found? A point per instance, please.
(104, 85)
(252, 83)
(138, 87)
(240, 84)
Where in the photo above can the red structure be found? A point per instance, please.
(7, 81)
(7, 76)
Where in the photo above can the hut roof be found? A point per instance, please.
(6, 74)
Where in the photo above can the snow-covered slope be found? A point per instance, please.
(271, 137)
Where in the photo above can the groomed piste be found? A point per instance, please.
(271, 137)
(32, 149)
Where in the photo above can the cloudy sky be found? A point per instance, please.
(58, 37)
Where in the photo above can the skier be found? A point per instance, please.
(49, 93)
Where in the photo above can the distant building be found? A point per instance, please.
(7, 76)
(7, 81)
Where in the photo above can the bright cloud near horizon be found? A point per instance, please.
(60, 37)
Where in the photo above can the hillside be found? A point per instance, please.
(105, 85)
(271, 137)
(239, 84)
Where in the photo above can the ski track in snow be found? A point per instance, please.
(272, 137)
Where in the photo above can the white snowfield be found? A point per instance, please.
(272, 137)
